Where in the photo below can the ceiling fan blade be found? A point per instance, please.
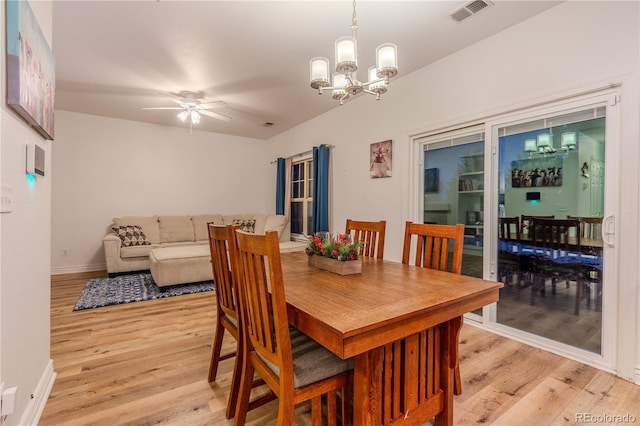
(213, 104)
(165, 108)
(215, 115)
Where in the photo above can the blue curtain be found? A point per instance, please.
(320, 205)
(281, 178)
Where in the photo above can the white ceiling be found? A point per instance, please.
(114, 57)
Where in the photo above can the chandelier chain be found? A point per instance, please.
(354, 21)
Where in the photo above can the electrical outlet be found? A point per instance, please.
(65, 252)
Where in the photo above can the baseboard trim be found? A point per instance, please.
(35, 407)
(78, 268)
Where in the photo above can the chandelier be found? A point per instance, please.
(543, 144)
(344, 81)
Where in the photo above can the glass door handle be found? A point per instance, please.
(608, 230)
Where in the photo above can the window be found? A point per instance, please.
(301, 197)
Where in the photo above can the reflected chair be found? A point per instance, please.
(221, 243)
(591, 229)
(557, 245)
(526, 223)
(508, 256)
(295, 367)
(432, 251)
(371, 234)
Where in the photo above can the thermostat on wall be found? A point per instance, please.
(35, 159)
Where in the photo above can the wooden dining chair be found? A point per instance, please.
(221, 244)
(294, 366)
(556, 239)
(434, 250)
(371, 234)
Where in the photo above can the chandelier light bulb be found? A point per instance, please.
(568, 140)
(346, 55)
(319, 68)
(387, 60)
(544, 142)
(339, 83)
(183, 115)
(381, 86)
(530, 145)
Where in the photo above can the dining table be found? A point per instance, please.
(399, 322)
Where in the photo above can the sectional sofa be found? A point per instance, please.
(134, 243)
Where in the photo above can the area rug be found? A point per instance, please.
(101, 292)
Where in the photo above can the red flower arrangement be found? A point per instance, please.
(341, 247)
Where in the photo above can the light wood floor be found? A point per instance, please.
(147, 362)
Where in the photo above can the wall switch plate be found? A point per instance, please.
(8, 402)
(7, 198)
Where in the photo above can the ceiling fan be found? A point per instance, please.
(192, 107)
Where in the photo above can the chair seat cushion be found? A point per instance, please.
(312, 362)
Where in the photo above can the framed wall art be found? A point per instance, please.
(536, 172)
(30, 69)
(380, 159)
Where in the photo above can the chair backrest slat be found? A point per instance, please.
(432, 246)
(371, 234)
(226, 293)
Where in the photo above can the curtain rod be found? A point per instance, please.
(300, 154)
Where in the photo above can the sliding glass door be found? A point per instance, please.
(550, 212)
(538, 205)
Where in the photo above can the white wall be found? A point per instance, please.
(568, 49)
(108, 167)
(25, 263)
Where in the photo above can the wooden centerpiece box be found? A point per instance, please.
(340, 267)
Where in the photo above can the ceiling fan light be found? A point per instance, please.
(387, 60)
(319, 72)
(195, 117)
(183, 115)
(346, 55)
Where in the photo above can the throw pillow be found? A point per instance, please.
(246, 225)
(131, 235)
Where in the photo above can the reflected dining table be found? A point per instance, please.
(399, 322)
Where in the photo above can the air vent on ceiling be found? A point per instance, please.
(469, 9)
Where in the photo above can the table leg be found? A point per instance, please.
(367, 388)
(449, 360)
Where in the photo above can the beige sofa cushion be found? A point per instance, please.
(149, 225)
(275, 223)
(175, 229)
(261, 220)
(200, 224)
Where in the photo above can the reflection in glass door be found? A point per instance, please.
(453, 167)
(550, 212)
